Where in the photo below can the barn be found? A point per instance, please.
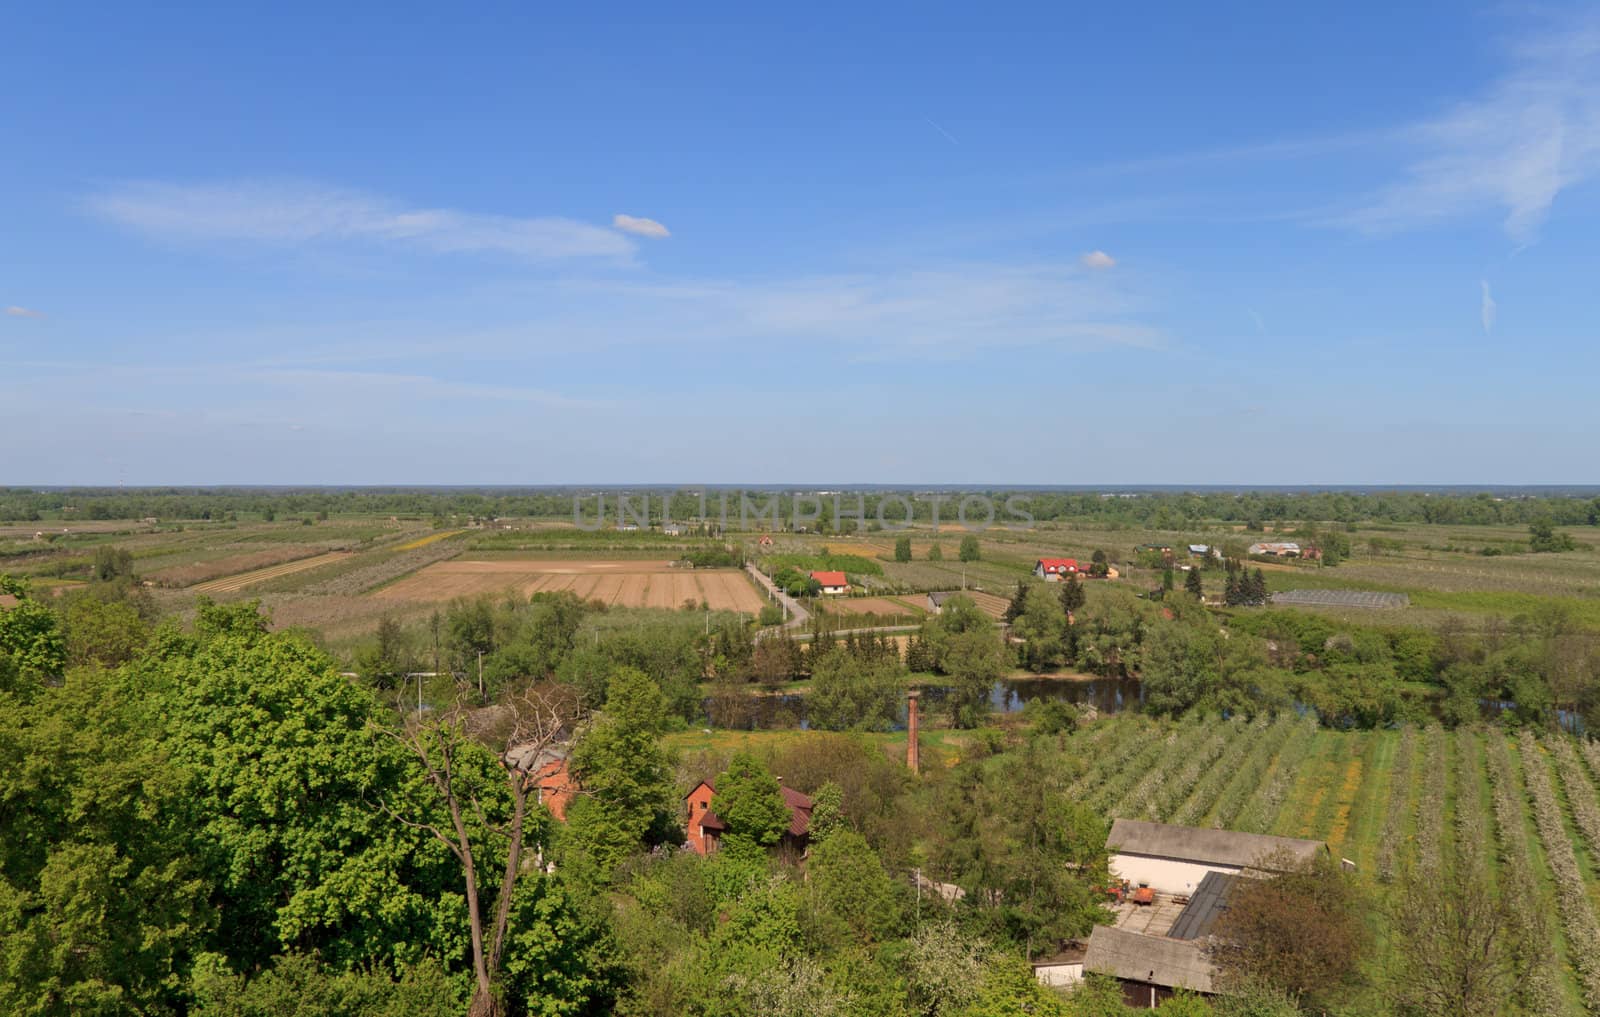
(1175, 859)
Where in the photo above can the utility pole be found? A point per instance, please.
(480, 676)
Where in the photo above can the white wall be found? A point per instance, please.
(1059, 975)
(1166, 875)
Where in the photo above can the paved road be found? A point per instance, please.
(798, 615)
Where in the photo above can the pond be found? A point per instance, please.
(1009, 695)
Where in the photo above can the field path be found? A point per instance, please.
(232, 584)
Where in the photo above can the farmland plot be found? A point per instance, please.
(233, 584)
(623, 583)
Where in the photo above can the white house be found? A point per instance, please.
(832, 582)
(1055, 569)
(1174, 859)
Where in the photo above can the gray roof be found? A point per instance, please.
(939, 598)
(1204, 845)
(1153, 959)
(1204, 907)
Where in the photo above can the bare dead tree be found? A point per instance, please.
(531, 725)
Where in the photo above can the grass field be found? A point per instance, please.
(621, 583)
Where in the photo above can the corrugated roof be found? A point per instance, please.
(1204, 907)
(1204, 845)
(1167, 962)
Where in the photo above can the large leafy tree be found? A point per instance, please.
(749, 800)
(101, 905)
(848, 691)
(278, 768)
(30, 635)
(626, 779)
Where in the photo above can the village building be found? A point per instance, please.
(832, 583)
(1174, 859)
(936, 601)
(1275, 549)
(705, 828)
(1149, 968)
(1053, 570)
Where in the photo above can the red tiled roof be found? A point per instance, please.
(1058, 563)
(830, 578)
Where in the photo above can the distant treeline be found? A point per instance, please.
(831, 511)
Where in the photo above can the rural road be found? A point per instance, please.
(797, 614)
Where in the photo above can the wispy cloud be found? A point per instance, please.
(947, 135)
(23, 312)
(951, 310)
(1533, 133)
(640, 226)
(1097, 261)
(278, 212)
(1486, 308)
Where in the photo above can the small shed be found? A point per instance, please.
(1062, 969)
(936, 600)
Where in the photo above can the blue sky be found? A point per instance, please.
(1042, 244)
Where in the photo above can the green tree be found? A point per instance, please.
(849, 895)
(628, 797)
(1073, 594)
(31, 637)
(107, 632)
(969, 550)
(102, 906)
(1019, 600)
(1043, 629)
(273, 754)
(936, 552)
(112, 563)
(964, 645)
(848, 692)
(1543, 537)
(902, 549)
(750, 802)
(1193, 584)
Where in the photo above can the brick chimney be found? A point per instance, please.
(913, 753)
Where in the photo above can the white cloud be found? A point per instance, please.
(23, 312)
(949, 311)
(271, 212)
(1486, 308)
(1097, 260)
(1533, 133)
(640, 226)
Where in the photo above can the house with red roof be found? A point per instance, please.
(832, 582)
(1054, 570)
(705, 828)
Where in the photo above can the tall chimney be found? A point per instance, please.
(913, 754)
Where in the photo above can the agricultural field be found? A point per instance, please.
(235, 583)
(1520, 812)
(624, 583)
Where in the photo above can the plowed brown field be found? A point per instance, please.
(623, 583)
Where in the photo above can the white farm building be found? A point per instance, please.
(1174, 859)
